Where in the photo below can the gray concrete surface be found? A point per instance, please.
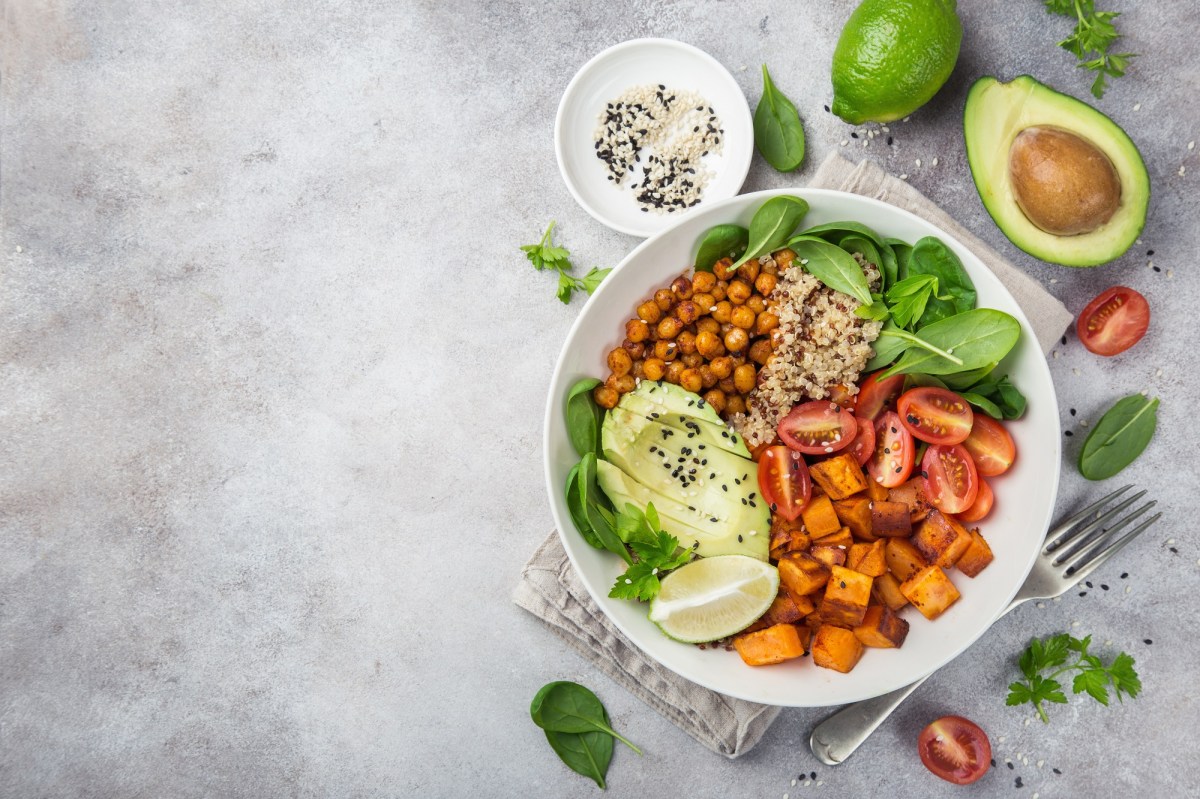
(273, 378)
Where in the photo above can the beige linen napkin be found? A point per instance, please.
(551, 590)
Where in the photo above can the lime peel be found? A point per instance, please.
(714, 598)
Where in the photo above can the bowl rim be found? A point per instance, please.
(740, 165)
(811, 195)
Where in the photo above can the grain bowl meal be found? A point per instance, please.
(792, 444)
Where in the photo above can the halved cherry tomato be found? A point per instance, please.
(951, 482)
(892, 461)
(955, 749)
(1114, 321)
(784, 480)
(863, 445)
(935, 415)
(818, 427)
(982, 505)
(991, 446)
(874, 395)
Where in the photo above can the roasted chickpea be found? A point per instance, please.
(738, 359)
(770, 268)
(704, 303)
(691, 380)
(674, 370)
(619, 362)
(707, 324)
(622, 384)
(636, 349)
(639, 370)
(784, 258)
(722, 366)
(686, 342)
(692, 360)
(654, 368)
(606, 397)
(718, 291)
(707, 376)
(636, 330)
(721, 268)
(664, 299)
(744, 378)
(708, 344)
(764, 284)
(687, 312)
(681, 287)
(756, 303)
(725, 328)
(735, 404)
(742, 317)
(737, 340)
(723, 311)
(739, 291)
(649, 312)
(703, 281)
(716, 398)
(726, 384)
(665, 350)
(669, 328)
(749, 270)
(760, 351)
(765, 323)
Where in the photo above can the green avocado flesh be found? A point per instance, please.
(996, 113)
(671, 405)
(716, 509)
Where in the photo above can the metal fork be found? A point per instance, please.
(1074, 549)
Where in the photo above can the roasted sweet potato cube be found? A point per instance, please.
(819, 517)
(903, 559)
(941, 539)
(870, 559)
(806, 634)
(836, 648)
(876, 491)
(840, 476)
(775, 644)
(841, 538)
(801, 574)
(782, 611)
(930, 591)
(830, 556)
(855, 513)
(912, 494)
(856, 554)
(882, 627)
(890, 519)
(887, 590)
(846, 597)
(977, 556)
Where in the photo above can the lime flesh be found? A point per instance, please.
(714, 598)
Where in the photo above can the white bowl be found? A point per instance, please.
(607, 76)
(1015, 528)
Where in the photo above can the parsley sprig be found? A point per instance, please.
(546, 255)
(656, 553)
(1094, 33)
(1091, 675)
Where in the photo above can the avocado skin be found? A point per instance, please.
(995, 113)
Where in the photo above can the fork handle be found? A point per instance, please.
(837, 737)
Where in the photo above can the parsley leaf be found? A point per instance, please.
(657, 552)
(1094, 33)
(546, 255)
(1092, 676)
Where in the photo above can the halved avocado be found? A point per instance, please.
(1060, 179)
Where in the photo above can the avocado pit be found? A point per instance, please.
(1063, 183)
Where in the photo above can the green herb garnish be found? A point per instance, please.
(1120, 436)
(577, 728)
(1091, 675)
(657, 553)
(1094, 33)
(778, 133)
(545, 255)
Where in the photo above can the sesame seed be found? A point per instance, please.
(904, 177)
(918, 162)
(886, 129)
(935, 162)
(1137, 106)
(1191, 145)
(843, 143)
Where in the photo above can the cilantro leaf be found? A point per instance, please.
(546, 255)
(640, 581)
(1093, 34)
(657, 552)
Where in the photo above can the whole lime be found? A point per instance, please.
(892, 57)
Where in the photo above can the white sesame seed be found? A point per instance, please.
(1170, 274)
(866, 142)
(1002, 739)
(803, 261)
(1158, 373)
(754, 532)
(1145, 392)
(1076, 372)
(785, 796)
(1036, 795)
(628, 581)
(886, 129)
(1041, 604)
(935, 162)
(1008, 760)
(844, 142)
(1137, 106)
(1053, 280)
(1083, 422)
(906, 119)
(654, 570)
(1026, 722)
(20, 248)
(1191, 145)
(1149, 264)
(904, 177)
(1182, 169)
(1106, 643)
(820, 783)
(1129, 588)
(793, 783)
(918, 162)
(1074, 624)
(1170, 540)
(870, 134)
(1020, 755)
(710, 310)
(1055, 354)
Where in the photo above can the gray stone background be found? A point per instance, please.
(273, 381)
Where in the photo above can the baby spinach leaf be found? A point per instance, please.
(855, 243)
(722, 241)
(965, 341)
(918, 380)
(983, 403)
(778, 132)
(586, 753)
(772, 224)
(835, 230)
(578, 511)
(569, 707)
(903, 251)
(930, 256)
(584, 417)
(833, 266)
(887, 347)
(595, 505)
(889, 267)
(1120, 436)
(998, 398)
(963, 381)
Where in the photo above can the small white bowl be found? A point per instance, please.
(608, 75)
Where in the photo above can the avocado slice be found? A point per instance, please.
(685, 412)
(716, 540)
(1004, 120)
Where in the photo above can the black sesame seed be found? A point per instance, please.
(853, 135)
(1149, 252)
(1156, 269)
(1018, 783)
(1064, 339)
(1147, 641)
(1124, 575)
(993, 762)
(1083, 593)
(1103, 586)
(1010, 765)
(1174, 550)
(1072, 411)
(739, 539)
(827, 109)
(1069, 433)
(1056, 771)
(1088, 583)
(890, 140)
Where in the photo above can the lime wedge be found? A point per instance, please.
(714, 598)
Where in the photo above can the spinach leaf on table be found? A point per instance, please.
(584, 417)
(721, 241)
(586, 753)
(833, 266)
(962, 342)
(772, 224)
(778, 132)
(931, 256)
(1120, 436)
(571, 708)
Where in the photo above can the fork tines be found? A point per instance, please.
(1092, 539)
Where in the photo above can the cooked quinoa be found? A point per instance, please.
(821, 343)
